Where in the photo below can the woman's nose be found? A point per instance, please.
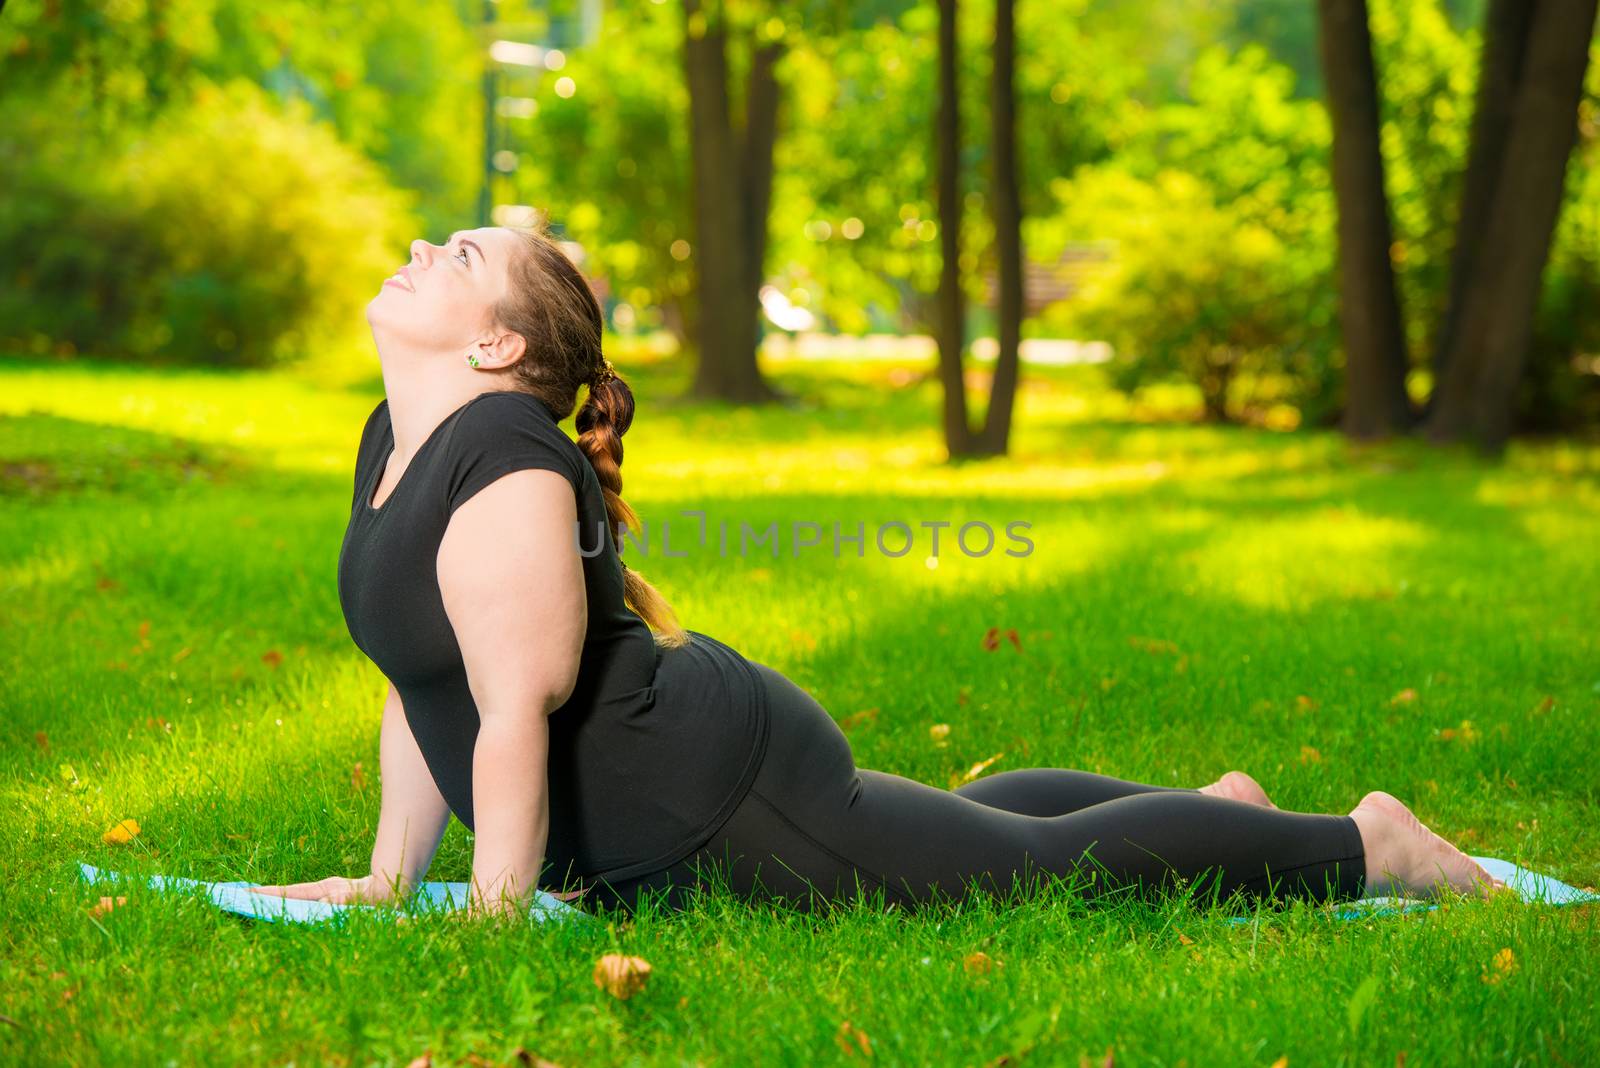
(421, 250)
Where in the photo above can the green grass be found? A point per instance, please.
(1198, 599)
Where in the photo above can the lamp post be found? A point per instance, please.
(486, 196)
(502, 53)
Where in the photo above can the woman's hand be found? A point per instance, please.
(335, 890)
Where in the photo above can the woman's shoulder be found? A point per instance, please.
(507, 415)
(499, 426)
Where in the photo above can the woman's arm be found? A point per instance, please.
(414, 814)
(512, 583)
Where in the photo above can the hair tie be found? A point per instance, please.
(604, 375)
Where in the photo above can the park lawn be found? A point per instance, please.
(1332, 619)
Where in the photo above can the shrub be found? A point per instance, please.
(1203, 290)
(232, 232)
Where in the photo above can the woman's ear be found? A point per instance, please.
(499, 350)
(508, 347)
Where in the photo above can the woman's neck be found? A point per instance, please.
(422, 395)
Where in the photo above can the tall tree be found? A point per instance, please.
(1495, 302)
(960, 439)
(731, 163)
(1008, 231)
(1505, 39)
(1369, 308)
(952, 326)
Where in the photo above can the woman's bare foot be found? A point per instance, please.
(1405, 859)
(1237, 786)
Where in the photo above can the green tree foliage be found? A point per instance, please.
(853, 216)
(393, 78)
(233, 231)
(1219, 212)
(606, 155)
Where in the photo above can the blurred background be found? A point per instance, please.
(1382, 216)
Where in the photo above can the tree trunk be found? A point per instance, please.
(732, 178)
(1008, 232)
(952, 305)
(1369, 308)
(1505, 40)
(1477, 394)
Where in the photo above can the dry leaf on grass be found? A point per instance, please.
(855, 719)
(1503, 965)
(621, 976)
(980, 963)
(848, 1034)
(972, 772)
(122, 833)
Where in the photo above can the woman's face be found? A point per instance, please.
(441, 300)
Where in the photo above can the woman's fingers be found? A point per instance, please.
(333, 890)
(296, 890)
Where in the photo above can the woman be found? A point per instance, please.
(529, 697)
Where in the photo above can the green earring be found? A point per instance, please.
(472, 359)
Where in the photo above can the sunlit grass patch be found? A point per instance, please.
(1329, 618)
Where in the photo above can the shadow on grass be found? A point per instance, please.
(1101, 691)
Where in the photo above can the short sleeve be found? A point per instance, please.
(504, 432)
(366, 451)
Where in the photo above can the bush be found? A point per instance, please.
(231, 232)
(1202, 290)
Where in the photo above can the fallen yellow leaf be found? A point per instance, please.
(621, 976)
(976, 769)
(122, 833)
(855, 719)
(1503, 965)
(848, 1034)
(980, 963)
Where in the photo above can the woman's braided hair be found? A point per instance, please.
(552, 306)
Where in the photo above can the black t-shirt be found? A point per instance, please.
(654, 748)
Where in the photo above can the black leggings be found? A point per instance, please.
(815, 830)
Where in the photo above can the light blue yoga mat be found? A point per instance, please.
(231, 897)
(1530, 886)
